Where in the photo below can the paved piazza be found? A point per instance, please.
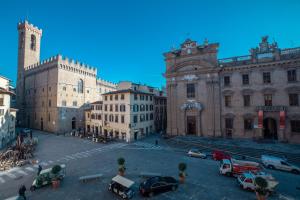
(83, 157)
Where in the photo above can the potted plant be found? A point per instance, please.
(182, 174)
(261, 188)
(55, 180)
(121, 163)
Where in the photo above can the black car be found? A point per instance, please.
(158, 184)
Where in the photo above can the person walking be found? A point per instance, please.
(22, 191)
(156, 142)
(39, 170)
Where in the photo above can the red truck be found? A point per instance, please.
(220, 155)
(233, 167)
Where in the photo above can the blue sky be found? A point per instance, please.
(125, 39)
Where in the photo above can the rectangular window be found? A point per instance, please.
(2, 101)
(110, 107)
(295, 126)
(122, 119)
(267, 77)
(246, 100)
(122, 97)
(135, 96)
(292, 75)
(227, 101)
(147, 117)
(116, 97)
(116, 108)
(146, 97)
(105, 98)
(1, 112)
(63, 103)
(111, 97)
(49, 103)
(150, 98)
(293, 98)
(105, 117)
(268, 99)
(49, 117)
(226, 80)
(135, 119)
(245, 79)
(190, 90)
(248, 124)
(64, 88)
(116, 118)
(74, 103)
(99, 117)
(105, 107)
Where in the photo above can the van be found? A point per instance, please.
(273, 162)
(122, 187)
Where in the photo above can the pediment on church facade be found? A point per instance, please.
(192, 65)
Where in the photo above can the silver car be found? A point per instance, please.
(196, 153)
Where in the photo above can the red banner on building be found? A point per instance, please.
(260, 118)
(282, 120)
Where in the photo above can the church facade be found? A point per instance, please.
(53, 94)
(254, 96)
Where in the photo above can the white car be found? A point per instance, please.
(247, 180)
(196, 153)
(273, 162)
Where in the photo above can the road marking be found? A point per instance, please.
(10, 175)
(30, 169)
(21, 172)
(72, 158)
(44, 163)
(2, 180)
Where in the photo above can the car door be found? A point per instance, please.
(285, 166)
(155, 188)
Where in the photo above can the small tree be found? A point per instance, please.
(182, 174)
(121, 163)
(261, 188)
(56, 169)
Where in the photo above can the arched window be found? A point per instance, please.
(33, 43)
(80, 86)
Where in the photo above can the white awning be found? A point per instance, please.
(123, 181)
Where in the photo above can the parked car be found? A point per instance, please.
(273, 162)
(122, 187)
(158, 184)
(220, 155)
(196, 153)
(247, 180)
(233, 167)
(25, 132)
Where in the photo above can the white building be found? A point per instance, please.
(7, 114)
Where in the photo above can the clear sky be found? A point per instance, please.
(125, 39)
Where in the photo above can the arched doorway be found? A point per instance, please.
(73, 123)
(42, 124)
(270, 129)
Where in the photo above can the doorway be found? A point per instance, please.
(74, 123)
(191, 125)
(135, 135)
(42, 124)
(270, 129)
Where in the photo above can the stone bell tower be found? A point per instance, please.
(29, 42)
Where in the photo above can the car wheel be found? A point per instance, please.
(151, 194)
(295, 171)
(228, 174)
(271, 167)
(32, 188)
(174, 188)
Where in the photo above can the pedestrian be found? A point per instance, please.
(31, 134)
(39, 170)
(22, 192)
(156, 142)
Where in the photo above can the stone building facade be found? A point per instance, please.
(126, 114)
(7, 113)
(253, 96)
(53, 94)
